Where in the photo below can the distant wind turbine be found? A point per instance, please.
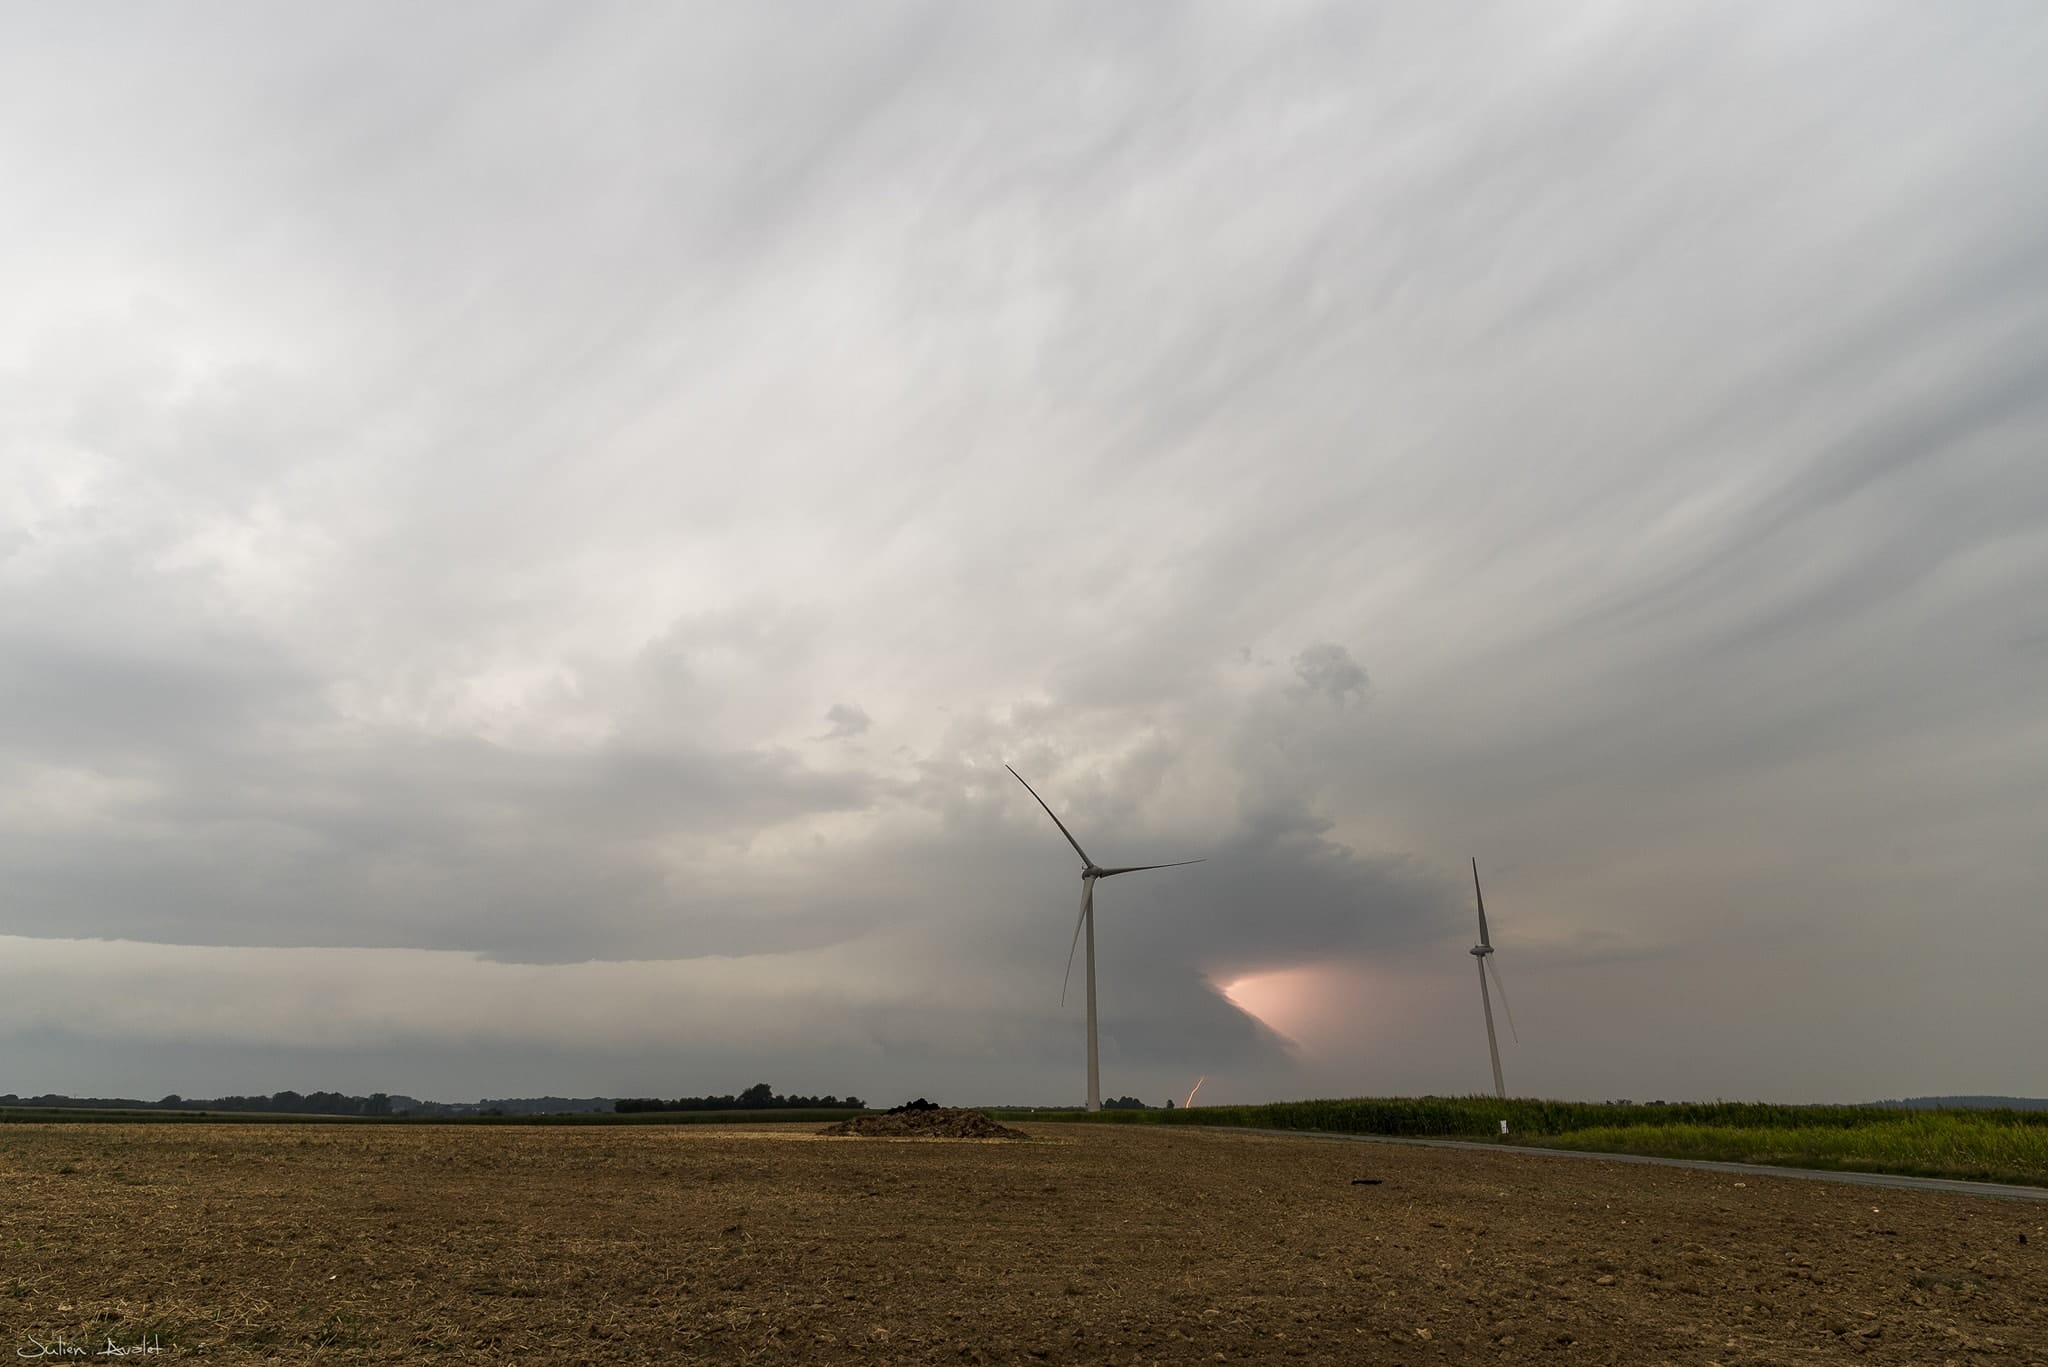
(1090, 871)
(1483, 951)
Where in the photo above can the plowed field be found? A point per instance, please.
(1090, 1244)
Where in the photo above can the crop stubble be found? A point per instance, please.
(1091, 1244)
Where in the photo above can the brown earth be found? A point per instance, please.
(938, 1123)
(1091, 1244)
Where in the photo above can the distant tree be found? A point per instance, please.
(759, 1097)
(172, 1102)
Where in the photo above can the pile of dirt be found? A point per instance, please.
(923, 1120)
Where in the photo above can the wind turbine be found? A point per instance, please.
(1483, 951)
(1090, 871)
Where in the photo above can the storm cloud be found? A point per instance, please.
(462, 467)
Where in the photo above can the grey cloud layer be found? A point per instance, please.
(619, 485)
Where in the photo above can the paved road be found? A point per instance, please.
(1861, 1179)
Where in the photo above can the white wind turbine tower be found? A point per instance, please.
(1483, 951)
(1090, 871)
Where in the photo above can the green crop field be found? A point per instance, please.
(1941, 1144)
(1980, 1145)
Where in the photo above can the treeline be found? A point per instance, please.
(278, 1103)
(320, 1103)
(515, 1105)
(287, 1103)
(759, 1097)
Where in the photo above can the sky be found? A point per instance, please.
(530, 532)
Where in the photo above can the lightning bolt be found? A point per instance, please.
(1191, 1094)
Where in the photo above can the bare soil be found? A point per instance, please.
(1091, 1244)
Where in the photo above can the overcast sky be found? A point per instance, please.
(529, 533)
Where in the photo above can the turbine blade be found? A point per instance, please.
(1482, 904)
(1140, 868)
(1502, 987)
(1500, 1087)
(1085, 860)
(1087, 900)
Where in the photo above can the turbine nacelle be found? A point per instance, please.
(1482, 950)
